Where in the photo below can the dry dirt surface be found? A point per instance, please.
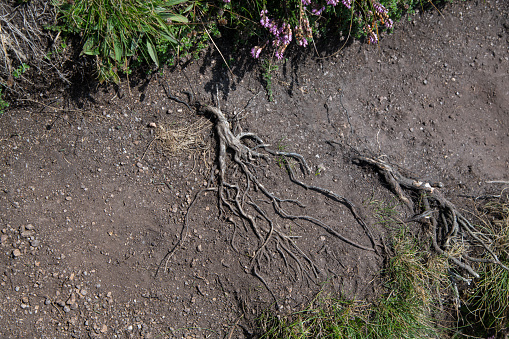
(92, 201)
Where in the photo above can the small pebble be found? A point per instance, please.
(16, 252)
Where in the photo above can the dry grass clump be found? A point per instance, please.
(186, 138)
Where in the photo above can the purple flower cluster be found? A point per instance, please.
(255, 51)
(379, 8)
(373, 38)
(317, 11)
(282, 35)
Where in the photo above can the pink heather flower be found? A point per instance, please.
(332, 2)
(306, 2)
(273, 29)
(265, 22)
(389, 23)
(318, 11)
(279, 55)
(347, 3)
(373, 39)
(255, 51)
(303, 42)
(227, 1)
(380, 8)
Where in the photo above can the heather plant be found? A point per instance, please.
(279, 23)
(299, 20)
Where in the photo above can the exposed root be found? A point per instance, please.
(450, 226)
(241, 194)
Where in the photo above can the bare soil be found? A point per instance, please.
(91, 201)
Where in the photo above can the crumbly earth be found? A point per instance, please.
(91, 201)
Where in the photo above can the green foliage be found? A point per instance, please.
(324, 317)
(415, 280)
(3, 104)
(268, 68)
(126, 33)
(23, 68)
(116, 30)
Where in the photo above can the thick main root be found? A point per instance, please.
(448, 224)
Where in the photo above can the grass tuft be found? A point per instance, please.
(116, 30)
(489, 302)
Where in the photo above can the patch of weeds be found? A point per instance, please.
(385, 212)
(22, 69)
(268, 68)
(282, 160)
(115, 31)
(415, 281)
(324, 317)
(3, 104)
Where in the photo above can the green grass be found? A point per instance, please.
(115, 31)
(488, 304)
(325, 315)
(3, 104)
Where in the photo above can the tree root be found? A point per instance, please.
(237, 182)
(448, 227)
